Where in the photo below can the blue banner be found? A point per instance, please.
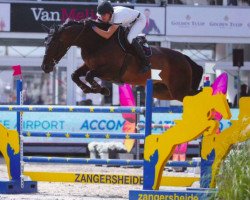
(87, 122)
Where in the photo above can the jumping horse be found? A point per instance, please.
(107, 60)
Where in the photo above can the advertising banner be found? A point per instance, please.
(155, 16)
(4, 17)
(86, 122)
(208, 21)
(29, 17)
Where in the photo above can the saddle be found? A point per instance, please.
(127, 47)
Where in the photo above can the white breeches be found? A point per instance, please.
(137, 28)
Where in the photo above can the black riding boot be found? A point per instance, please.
(140, 52)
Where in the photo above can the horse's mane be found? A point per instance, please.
(70, 22)
(94, 41)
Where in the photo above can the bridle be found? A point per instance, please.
(60, 45)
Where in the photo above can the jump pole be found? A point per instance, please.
(148, 125)
(17, 185)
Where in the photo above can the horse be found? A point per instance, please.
(8, 138)
(222, 143)
(196, 120)
(107, 60)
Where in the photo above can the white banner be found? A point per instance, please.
(155, 16)
(208, 21)
(4, 17)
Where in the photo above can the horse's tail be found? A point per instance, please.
(197, 72)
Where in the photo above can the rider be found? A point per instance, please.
(125, 17)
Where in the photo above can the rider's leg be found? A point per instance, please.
(140, 52)
(80, 72)
(134, 31)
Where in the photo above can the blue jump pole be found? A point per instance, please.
(15, 164)
(17, 185)
(148, 177)
(99, 135)
(73, 109)
(70, 160)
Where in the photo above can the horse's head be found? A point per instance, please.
(55, 49)
(215, 103)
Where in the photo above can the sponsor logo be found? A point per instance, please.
(109, 179)
(226, 23)
(188, 22)
(41, 14)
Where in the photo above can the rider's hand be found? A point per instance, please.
(89, 23)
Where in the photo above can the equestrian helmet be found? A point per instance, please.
(105, 7)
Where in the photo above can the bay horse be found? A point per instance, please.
(107, 60)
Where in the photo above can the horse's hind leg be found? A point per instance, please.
(96, 88)
(197, 72)
(80, 72)
(161, 91)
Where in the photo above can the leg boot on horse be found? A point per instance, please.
(140, 52)
(95, 87)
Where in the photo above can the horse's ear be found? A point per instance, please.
(67, 20)
(55, 28)
(45, 28)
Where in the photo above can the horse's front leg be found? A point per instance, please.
(81, 72)
(96, 88)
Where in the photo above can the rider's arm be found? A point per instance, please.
(106, 34)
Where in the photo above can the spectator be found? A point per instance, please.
(40, 100)
(150, 23)
(145, 1)
(232, 2)
(243, 93)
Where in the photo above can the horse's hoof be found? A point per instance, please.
(105, 91)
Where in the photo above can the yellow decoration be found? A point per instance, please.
(196, 120)
(50, 108)
(107, 136)
(133, 110)
(117, 179)
(87, 135)
(221, 143)
(8, 137)
(91, 109)
(71, 109)
(30, 108)
(10, 108)
(112, 109)
(129, 127)
(67, 135)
